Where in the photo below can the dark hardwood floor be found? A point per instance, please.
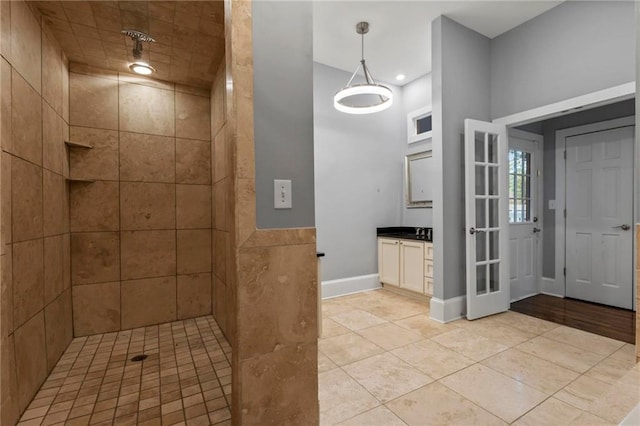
(616, 323)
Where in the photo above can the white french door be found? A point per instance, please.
(487, 218)
(599, 215)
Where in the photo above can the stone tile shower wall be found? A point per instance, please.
(141, 232)
(223, 305)
(266, 294)
(35, 307)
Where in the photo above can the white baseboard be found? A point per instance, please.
(551, 287)
(344, 286)
(448, 310)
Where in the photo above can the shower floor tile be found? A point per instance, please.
(183, 378)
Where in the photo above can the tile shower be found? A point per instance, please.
(99, 241)
(141, 231)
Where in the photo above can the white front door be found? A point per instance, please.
(524, 226)
(599, 199)
(487, 221)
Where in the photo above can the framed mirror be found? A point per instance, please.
(418, 192)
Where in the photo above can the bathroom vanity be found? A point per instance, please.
(405, 259)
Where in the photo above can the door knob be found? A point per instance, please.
(624, 227)
(536, 230)
(475, 231)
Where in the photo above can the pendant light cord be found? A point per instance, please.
(364, 66)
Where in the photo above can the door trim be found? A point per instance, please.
(561, 135)
(590, 100)
(540, 198)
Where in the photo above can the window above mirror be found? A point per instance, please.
(419, 125)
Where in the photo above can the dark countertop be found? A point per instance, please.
(405, 232)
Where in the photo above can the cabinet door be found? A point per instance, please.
(412, 266)
(389, 261)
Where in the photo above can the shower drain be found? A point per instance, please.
(139, 358)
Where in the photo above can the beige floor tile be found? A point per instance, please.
(583, 392)
(620, 398)
(469, 344)
(501, 395)
(424, 325)
(390, 336)
(626, 353)
(435, 404)
(588, 419)
(357, 297)
(341, 397)
(432, 358)
(379, 416)
(564, 355)
(392, 307)
(386, 377)
(631, 377)
(551, 412)
(330, 328)
(331, 307)
(525, 322)
(610, 370)
(536, 372)
(496, 331)
(324, 363)
(584, 340)
(357, 319)
(348, 348)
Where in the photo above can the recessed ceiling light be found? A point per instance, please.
(141, 67)
(400, 77)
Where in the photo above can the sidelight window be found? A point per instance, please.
(519, 186)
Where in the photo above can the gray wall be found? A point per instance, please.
(283, 110)
(358, 177)
(548, 129)
(461, 89)
(416, 95)
(573, 49)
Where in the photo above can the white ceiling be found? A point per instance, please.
(399, 38)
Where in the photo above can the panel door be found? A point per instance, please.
(524, 228)
(599, 197)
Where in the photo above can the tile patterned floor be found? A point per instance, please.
(186, 379)
(382, 361)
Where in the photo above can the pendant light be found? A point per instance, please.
(376, 96)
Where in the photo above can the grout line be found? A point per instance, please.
(175, 190)
(119, 230)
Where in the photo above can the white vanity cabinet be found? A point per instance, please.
(407, 264)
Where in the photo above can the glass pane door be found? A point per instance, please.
(487, 198)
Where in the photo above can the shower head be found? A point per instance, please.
(139, 66)
(138, 38)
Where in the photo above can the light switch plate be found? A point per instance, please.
(281, 194)
(552, 204)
